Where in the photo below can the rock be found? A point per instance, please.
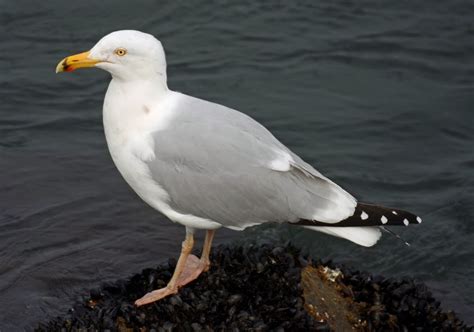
(261, 289)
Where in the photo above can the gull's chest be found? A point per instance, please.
(129, 124)
(130, 119)
(129, 148)
(124, 128)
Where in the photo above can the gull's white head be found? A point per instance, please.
(128, 55)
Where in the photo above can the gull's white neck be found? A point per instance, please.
(140, 91)
(130, 107)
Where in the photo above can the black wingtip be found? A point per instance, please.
(370, 215)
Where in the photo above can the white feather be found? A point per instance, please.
(283, 161)
(364, 236)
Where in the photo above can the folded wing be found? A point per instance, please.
(220, 164)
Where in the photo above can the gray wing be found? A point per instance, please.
(220, 164)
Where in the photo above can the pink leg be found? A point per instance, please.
(188, 268)
(195, 266)
(172, 287)
(206, 250)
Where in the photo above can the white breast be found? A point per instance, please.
(130, 117)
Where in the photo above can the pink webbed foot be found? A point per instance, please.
(193, 268)
(155, 295)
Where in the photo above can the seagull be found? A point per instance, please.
(207, 166)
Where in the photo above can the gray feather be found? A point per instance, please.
(214, 163)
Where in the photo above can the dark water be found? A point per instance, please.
(377, 96)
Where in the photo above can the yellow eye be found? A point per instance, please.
(120, 51)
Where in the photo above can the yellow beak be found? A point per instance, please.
(76, 61)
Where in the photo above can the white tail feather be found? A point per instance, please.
(364, 236)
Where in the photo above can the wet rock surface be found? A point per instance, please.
(260, 289)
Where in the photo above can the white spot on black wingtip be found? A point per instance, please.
(364, 216)
(384, 220)
(395, 213)
(418, 219)
(406, 222)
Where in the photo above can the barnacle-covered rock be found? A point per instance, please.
(261, 288)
